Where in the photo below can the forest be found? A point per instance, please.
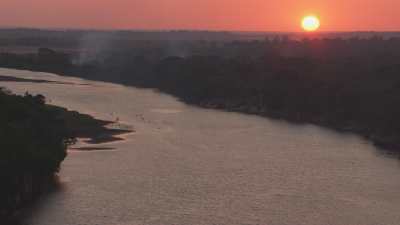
(348, 84)
(34, 140)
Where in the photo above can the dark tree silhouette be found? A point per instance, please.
(33, 144)
(346, 84)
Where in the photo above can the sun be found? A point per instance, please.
(310, 23)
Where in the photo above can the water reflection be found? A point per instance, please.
(197, 166)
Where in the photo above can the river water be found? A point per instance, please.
(190, 166)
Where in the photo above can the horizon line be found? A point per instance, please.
(50, 28)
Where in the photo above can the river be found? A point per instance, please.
(191, 166)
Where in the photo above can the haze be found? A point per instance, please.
(246, 15)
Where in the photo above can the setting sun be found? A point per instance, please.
(310, 23)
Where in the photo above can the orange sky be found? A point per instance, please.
(260, 15)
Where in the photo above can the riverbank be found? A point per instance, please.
(382, 137)
(92, 130)
(332, 88)
(189, 165)
(35, 137)
(389, 143)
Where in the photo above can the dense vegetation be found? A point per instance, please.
(34, 140)
(346, 84)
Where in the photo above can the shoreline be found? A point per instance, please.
(390, 145)
(23, 187)
(83, 126)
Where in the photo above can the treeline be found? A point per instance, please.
(34, 138)
(351, 84)
(33, 144)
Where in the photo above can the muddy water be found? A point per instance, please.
(190, 166)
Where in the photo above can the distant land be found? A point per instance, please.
(28, 40)
(337, 80)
